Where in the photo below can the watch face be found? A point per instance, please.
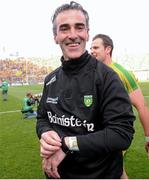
(73, 145)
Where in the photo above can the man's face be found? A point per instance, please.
(98, 50)
(71, 33)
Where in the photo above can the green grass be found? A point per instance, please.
(136, 160)
(19, 145)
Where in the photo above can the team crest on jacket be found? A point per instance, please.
(88, 100)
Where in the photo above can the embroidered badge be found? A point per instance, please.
(88, 100)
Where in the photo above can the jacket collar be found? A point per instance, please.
(74, 65)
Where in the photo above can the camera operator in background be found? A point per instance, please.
(27, 109)
(36, 98)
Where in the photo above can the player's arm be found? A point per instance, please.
(139, 103)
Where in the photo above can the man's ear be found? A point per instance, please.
(55, 39)
(108, 49)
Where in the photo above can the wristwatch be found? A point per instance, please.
(72, 143)
(65, 148)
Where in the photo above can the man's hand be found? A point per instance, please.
(50, 142)
(50, 165)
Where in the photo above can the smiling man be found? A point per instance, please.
(83, 125)
(76, 31)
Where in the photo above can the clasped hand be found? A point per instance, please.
(51, 153)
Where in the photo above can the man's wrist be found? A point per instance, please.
(69, 144)
(147, 138)
(65, 148)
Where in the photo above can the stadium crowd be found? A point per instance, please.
(22, 70)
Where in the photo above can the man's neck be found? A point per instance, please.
(108, 60)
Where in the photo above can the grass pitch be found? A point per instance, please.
(19, 145)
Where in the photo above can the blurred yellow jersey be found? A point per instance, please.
(127, 77)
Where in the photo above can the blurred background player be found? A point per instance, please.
(4, 87)
(101, 49)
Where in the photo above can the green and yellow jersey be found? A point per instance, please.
(126, 77)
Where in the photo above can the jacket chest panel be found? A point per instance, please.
(74, 95)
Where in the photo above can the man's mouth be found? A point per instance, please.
(73, 44)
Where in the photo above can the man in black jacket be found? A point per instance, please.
(85, 118)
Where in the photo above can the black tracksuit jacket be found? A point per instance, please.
(86, 99)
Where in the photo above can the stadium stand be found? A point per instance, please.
(22, 71)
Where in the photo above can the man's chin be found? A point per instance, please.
(74, 55)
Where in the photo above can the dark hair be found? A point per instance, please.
(28, 94)
(107, 41)
(72, 6)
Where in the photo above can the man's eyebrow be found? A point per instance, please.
(63, 25)
(76, 24)
(80, 24)
(94, 46)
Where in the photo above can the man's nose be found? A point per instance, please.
(72, 33)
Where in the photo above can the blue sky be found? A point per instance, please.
(26, 25)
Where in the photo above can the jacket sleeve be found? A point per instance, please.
(117, 119)
(43, 124)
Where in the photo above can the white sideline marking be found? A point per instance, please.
(10, 111)
(5, 112)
